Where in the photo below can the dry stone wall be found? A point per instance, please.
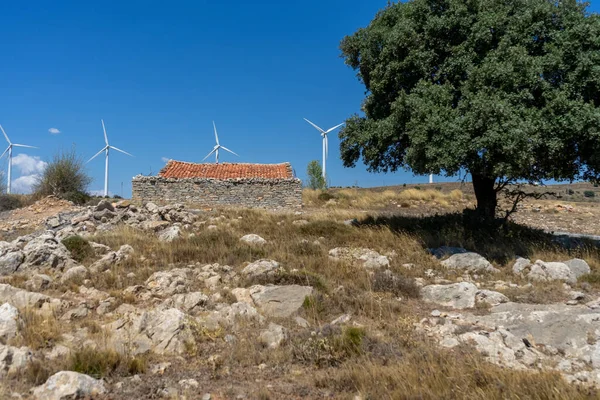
(247, 192)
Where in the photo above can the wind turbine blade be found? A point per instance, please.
(319, 129)
(5, 135)
(209, 154)
(24, 145)
(104, 129)
(216, 136)
(96, 155)
(334, 128)
(226, 149)
(5, 151)
(122, 151)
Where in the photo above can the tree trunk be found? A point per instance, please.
(486, 196)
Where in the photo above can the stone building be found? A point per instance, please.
(270, 186)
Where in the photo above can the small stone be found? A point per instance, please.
(253, 239)
(436, 313)
(189, 383)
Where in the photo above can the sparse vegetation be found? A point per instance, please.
(79, 247)
(64, 177)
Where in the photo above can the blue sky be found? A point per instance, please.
(159, 75)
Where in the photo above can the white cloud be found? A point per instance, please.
(54, 131)
(23, 184)
(165, 159)
(27, 165)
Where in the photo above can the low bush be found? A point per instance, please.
(589, 194)
(9, 202)
(79, 248)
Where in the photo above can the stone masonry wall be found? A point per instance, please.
(251, 193)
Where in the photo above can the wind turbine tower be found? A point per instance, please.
(9, 152)
(430, 178)
(106, 150)
(217, 147)
(325, 144)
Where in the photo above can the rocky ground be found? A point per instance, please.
(127, 301)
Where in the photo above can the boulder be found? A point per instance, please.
(152, 208)
(46, 251)
(155, 226)
(471, 262)
(551, 271)
(162, 331)
(9, 316)
(253, 239)
(457, 295)
(490, 297)
(187, 302)
(74, 273)
(169, 234)
(13, 359)
(360, 256)
(273, 336)
(66, 385)
(261, 268)
(578, 267)
(168, 283)
(279, 301)
(521, 264)
(10, 262)
(104, 205)
(22, 299)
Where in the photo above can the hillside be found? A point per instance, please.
(344, 299)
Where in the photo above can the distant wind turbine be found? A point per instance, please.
(430, 178)
(9, 152)
(106, 150)
(325, 144)
(217, 147)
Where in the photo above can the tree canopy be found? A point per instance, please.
(314, 174)
(505, 90)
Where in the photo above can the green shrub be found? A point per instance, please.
(570, 192)
(589, 194)
(79, 247)
(9, 202)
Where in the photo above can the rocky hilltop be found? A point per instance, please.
(127, 301)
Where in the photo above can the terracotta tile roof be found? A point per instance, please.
(180, 169)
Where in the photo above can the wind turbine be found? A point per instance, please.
(325, 144)
(106, 150)
(9, 152)
(217, 147)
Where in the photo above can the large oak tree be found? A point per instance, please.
(507, 90)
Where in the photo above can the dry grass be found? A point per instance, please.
(430, 373)
(377, 355)
(37, 331)
(364, 199)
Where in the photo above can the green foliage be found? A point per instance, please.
(79, 198)
(505, 90)
(79, 247)
(589, 193)
(64, 176)
(315, 176)
(9, 202)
